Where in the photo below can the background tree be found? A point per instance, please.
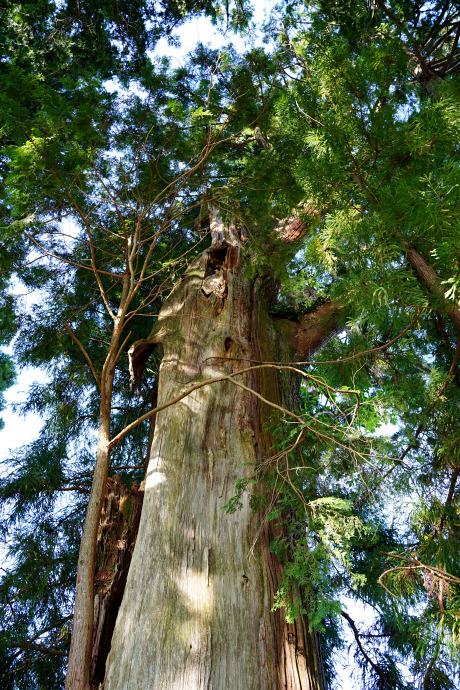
(377, 149)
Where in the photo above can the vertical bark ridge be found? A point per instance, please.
(296, 649)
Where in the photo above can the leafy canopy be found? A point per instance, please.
(357, 108)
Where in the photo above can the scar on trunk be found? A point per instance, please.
(216, 258)
(138, 354)
(215, 276)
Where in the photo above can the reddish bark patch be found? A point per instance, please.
(293, 228)
(427, 276)
(290, 230)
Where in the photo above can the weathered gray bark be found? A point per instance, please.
(196, 609)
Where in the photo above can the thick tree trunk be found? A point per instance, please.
(196, 612)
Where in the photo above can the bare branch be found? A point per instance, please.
(352, 625)
(85, 354)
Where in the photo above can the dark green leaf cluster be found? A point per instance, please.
(372, 131)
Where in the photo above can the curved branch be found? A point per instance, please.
(190, 390)
(352, 625)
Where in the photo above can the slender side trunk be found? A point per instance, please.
(78, 670)
(80, 648)
(196, 612)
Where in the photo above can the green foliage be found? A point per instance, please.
(370, 145)
(67, 142)
(361, 144)
(332, 530)
(7, 376)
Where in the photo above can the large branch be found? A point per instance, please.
(428, 277)
(357, 635)
(316, 328)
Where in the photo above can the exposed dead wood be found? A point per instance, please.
(138, 355)
(121, 513)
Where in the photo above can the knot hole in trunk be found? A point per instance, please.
(216, 258)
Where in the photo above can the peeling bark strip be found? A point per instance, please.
(121, 513)
(196, 613)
